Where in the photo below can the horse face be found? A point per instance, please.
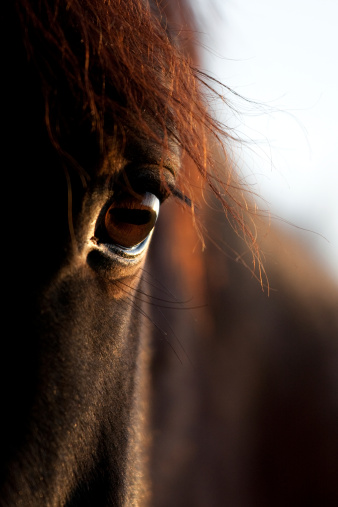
(73, 359)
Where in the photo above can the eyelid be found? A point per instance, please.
(152, 178)
(139, 179)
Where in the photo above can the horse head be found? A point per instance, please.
(108, 142)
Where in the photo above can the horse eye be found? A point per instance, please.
(129, 220)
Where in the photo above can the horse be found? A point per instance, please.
(142, 361)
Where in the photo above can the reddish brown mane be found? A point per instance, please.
(128, 78)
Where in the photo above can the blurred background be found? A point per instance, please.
(281, 56)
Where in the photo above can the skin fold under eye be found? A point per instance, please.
(129, 220)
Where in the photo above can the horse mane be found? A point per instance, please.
(126, 72)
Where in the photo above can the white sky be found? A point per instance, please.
(283, 54)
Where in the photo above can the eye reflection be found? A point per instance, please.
(130, 220)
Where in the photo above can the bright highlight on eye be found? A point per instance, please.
(130, 220)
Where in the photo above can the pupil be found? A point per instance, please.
(130, 216)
